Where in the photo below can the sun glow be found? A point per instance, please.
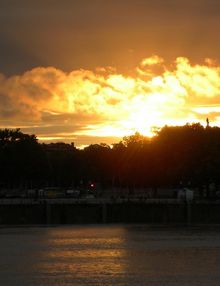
(106, 103)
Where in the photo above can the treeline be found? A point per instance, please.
(185, 155)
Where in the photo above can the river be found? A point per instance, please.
(121, 255)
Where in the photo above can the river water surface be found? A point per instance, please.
(110, 255)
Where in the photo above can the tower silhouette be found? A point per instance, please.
(207, 122)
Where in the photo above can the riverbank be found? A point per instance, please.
(70, 211)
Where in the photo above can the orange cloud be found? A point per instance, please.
(104, 103)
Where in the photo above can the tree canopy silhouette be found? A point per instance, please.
(188, 154)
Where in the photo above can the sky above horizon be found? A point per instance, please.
(95, 71)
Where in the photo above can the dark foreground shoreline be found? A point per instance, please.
(61, 211)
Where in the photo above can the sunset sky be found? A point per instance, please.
(93, 71)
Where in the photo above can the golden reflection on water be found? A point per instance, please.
(102, 252)
(86, 241)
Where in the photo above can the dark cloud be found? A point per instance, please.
(86, 34)
(15, 58)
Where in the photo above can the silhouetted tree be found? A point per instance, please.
(22, 159)
(189, 154)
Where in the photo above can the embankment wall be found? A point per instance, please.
(108, 212)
